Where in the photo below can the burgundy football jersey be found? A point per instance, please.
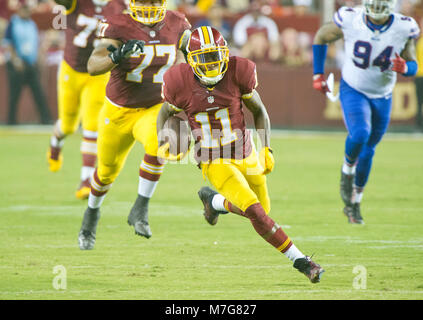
(216, 116)
(136, 82)
(81, 27)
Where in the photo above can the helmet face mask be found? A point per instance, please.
(208, 57)
(379, 9)
(148, 11)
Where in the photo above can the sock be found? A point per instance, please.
(56, 141)
(57, 132)
(357, 195)
(150, 172)
(89, 154)
(98, 192)
(55, 147)
(293, 253)
(348, 168)
(218, 202)
(268, 229)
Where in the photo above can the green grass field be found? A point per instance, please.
(188, 259)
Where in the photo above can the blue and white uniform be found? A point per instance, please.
(368, 81)
(368, 50)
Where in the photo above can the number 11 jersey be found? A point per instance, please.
(368, 51)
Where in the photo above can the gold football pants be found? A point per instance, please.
(119, 128)
(241, 182)
(80, 98)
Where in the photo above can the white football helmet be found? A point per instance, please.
(379, 9)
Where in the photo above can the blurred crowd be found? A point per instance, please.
(257, 29)
(250, 26)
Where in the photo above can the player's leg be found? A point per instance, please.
(150, 171)
(69, 88)
(16, 82)
(381, 109)
(357, 118)
(32, 75)
(230, 182)
(92, 100)
(215, 204)
(114, 142)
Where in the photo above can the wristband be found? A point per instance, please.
(319, 57)
(411, 68)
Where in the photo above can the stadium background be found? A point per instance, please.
(289, 74)
(186, 258)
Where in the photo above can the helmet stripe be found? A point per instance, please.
(211, 35)
(200, 33)
(205, 33)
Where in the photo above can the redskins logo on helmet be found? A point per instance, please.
(379, 9)
(148, 11)
(208, 54)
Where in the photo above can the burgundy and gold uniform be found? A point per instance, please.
(80, 95)
(215, 115)
(137, 82)
(216, 118)
(210, 89)
(133, 93)
(81, 26)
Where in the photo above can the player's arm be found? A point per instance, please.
(110, 52)
(166, 111)
(182, 45)
(100, 61)
(406, 63)
(66, 3)
(262, 123)
(261, 118)
(327, 33)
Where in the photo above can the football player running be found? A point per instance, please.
(80, 96)
(378, 44)
(211, 89)
(137, 48)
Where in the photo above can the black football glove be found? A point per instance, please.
(126, 50)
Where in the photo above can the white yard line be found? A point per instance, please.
(276, 133)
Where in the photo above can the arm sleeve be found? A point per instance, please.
(246, 77)
(341, 17)
(414, 31)
(110, 29)
(170, 91)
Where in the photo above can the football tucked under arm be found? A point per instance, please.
(174, 138)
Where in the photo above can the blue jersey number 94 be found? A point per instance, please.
(363, 50)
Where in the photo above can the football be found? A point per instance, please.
(178, 134)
